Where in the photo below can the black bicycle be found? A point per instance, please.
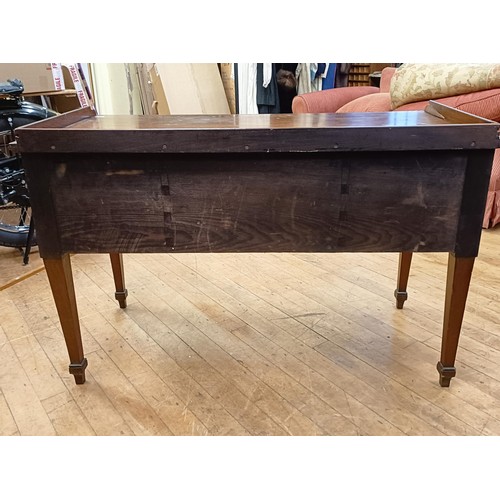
(17, 227)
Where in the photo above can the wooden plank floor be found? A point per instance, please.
(13, 271)
(278, 344)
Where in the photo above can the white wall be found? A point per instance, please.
(115, 88)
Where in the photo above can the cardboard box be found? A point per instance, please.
(66, 100)
(36, 77)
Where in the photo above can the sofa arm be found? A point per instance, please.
(385, 79)
(328, 101)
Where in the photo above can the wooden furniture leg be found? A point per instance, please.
(61, 282)
(403, 272)
(119, 277)
(457, 287)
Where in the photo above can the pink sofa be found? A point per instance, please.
(484, 103)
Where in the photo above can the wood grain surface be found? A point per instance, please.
(406, 130)
(251, 203)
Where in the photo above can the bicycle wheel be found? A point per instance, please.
(15, 226)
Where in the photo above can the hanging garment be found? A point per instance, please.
(315, 79)
(267, 73)
(267, 90)
(303, 76)
(321, 71)
(329, 79)
(309, 77)
(247, 89)
(342, 74)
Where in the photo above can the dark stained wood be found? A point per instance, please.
(475, 188)
(400, 202)
(41, 197)
(69, 118)
(413, 130)
(254, 203)
(369, 182)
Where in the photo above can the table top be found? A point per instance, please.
(82, 131)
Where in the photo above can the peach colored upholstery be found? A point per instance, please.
(368, 103)
(492, 213)
(385, 79)
(485, 103)
(329, 101)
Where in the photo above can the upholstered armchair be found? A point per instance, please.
(399, 92)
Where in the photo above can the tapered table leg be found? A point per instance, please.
(403, 273)
(457, 287)
(61, 282)
(119, 277)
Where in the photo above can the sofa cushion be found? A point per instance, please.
(420, 82)
(492, 211)
(485, 104)
(330, 100)
(373, 102)
(385, 78)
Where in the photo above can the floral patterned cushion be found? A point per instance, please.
(420, 82)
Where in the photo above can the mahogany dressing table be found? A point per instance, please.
(360, 182)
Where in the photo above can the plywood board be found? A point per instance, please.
(193, 88)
